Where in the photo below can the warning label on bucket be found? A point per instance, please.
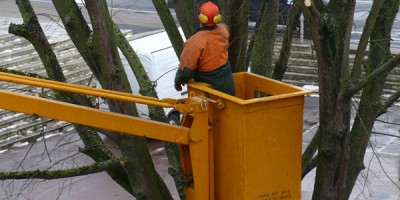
(277, 195)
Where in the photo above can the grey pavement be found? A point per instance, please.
(380, 180)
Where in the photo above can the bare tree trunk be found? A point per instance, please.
(332, 53)
(237, 19)
(145, 181)
(31, 30)
(187, 15)
(282, 64)
(340, 154)
(170, 26)
(263, 50)
(370, 101)
(188, 27)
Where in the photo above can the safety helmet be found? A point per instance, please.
(209, 14)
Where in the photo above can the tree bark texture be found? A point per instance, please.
(170, 26)
(237, 19)
(145, 181)
(339, 159)
(370, 101)
(188, 27)
(94, 147)
(187, 16)
(263, 49)
(65, 173)
(331, 34)
(282, 64)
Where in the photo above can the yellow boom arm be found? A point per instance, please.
(195, 134)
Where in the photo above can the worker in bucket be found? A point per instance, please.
(205, 54)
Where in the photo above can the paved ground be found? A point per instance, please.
(379, 181)
(381, 178)
(64, 147)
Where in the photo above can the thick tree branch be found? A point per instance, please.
(237, 12)
(144, 180)
(363, 42)
(389, 102)
(77, 29)
(65, 173)
(255, 31)
(170, 26)
(263, 46)
(282, 64)
(307, 158)
(186, 15)
(146, 87)
(313, 15)
(11, 71)
(384, 68)
(33, 32)
(312, 164)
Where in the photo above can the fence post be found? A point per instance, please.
(301, 28)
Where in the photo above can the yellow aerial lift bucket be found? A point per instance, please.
(246, 147)
(257, 138)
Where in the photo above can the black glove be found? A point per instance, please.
(178, 87)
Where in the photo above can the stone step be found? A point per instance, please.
(310, 73)
(294, 61)
(392, 85)
(295, 47)
(302, 69)
(9, 120)
(298, 76)
(6, 38)
(68, 67)
(32, 62)
(28, 50)
(31, 132)
(13, 45)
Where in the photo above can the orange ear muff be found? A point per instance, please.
(203, 18)
(217, 18)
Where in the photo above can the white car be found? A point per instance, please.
(160, 62)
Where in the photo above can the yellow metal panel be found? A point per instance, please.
(93, 117)
(257, 141)
(273, 152)
(197, 159)
(200, 159)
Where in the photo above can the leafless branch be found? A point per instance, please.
(56, 174)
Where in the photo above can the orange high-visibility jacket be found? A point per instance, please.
(206, 50)
(205, 59)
